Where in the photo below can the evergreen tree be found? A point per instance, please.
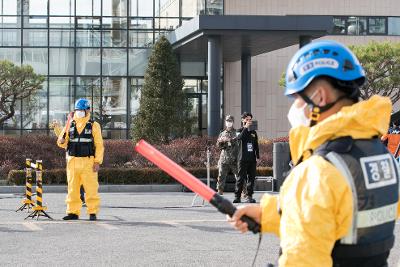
(164, 110)
(17, 83)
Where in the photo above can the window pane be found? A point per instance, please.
(114, 23)
(114, 103)
(88, 8)
(11, 54)
(115, 8)
(87, 23)
(88, 61)
(34, 110)
(35, 22)
(62, 22)
(357, 26)
(138, 59)
(191, 86)
(136, 88)
(88, 38)
(114, 62)
(194, 114)
(61, 61)
(62, 38)
(215, 7)
(189, 8)
(62, 7)
(36, 7)
(114, 134)
(166, 23)
(204, 117)
(141, 8)
(9, 7)
(10, 22)
(10, 37)
(37, 58)
(140, 38)
(89, 88)
(166, 8)
(394, 26)
(35, 37)
(377, 25)
(114, 38)
(141, 24)
(61, 102)
(339, 26)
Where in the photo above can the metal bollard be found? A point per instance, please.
(39, 210)
(27, 202)
(281, 160)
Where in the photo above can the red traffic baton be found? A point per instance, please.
(184, 177)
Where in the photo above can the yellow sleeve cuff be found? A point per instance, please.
(270, 218)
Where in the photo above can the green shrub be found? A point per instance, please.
(122, 175)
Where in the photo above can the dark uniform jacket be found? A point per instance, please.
(248, 145)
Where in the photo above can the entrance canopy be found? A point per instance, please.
(217, 39)
(252, 35)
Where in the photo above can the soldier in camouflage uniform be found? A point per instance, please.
(229, 150)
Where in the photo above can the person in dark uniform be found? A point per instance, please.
(247, 159)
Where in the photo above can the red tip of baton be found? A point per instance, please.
(173, 169)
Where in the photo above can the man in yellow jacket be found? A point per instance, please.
(84, 144)
(339, 205)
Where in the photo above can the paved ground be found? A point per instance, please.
(135, 229)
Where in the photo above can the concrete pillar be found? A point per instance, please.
(214, 85)
(246, 83)
(303, 40)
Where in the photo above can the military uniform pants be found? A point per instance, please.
(246, 176)
(224, 169)
(80, 171)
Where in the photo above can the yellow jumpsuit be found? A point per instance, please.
(315, 200)
(80, 171)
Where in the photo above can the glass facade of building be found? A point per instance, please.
(97, 49)
(355, 25)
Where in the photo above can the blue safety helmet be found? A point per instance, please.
(323, 58)
(82, 104)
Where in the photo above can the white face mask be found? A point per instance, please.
(296, 115)
(229, 124)
(80, 113)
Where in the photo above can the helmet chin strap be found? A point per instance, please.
(316, 110)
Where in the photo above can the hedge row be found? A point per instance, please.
(122, 175)
(188, 152)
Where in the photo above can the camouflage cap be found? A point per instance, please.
(229, 118)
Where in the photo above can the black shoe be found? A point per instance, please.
(236, 200)
(250, 200)
(71, 216)
(92, 217)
